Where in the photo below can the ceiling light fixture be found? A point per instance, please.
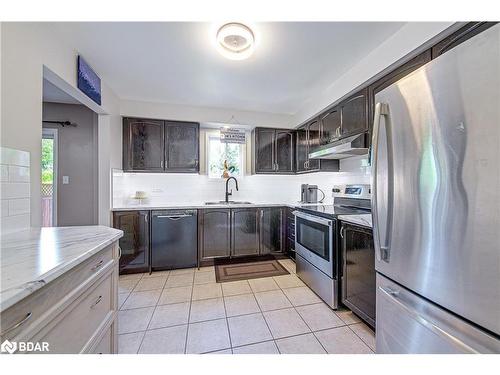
(235, 41)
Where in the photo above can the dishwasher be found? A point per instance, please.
(174, 239)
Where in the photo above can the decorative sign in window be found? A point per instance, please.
(232, 135)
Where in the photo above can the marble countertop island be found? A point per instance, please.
(364, 220)
(32, 258)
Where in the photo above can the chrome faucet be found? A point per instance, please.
(227, 187)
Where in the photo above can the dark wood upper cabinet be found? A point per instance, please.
(134, 244)
(182, 147)
(264, 143)
(331, 124)
(284, 151)
(354, 114)
(302, 149)
(308, 137)
(244, 231)
(313, 141)
(460, 36)
(160, 146)
(214, 233)
(273, 151)
(143, 145)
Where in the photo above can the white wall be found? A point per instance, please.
(25, 49)
(204, 114)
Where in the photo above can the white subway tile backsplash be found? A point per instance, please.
(165, 189)
(10, 156)
(4, 173)
(14, 190)
(19, 174)
(4, 207)
(19, 206)
(15, 223)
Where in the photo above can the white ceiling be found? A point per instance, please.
(176, 62)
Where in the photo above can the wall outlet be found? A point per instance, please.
(65, 180)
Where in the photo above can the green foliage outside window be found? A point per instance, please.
(47, 161)
(218, 152)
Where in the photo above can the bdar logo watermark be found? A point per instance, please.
(23, 346)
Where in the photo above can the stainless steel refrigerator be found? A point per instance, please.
(436, 204)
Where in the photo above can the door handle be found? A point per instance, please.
(381, 236)
(393, 296)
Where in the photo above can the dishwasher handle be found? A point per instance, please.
(173, 217)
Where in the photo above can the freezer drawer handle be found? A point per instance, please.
(393, 296)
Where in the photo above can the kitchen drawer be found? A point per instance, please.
(78, 324)
(49, 300)
(105, 345)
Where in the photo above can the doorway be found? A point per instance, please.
(49, 177)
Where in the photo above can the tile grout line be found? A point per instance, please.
(253, 292)
(189, 316)
(227, 321)
(151, 318)
(364, 342)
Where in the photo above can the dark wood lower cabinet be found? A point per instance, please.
(214, 233)
(134, 244)
(240, 232)
(244, 232)
(271, 230)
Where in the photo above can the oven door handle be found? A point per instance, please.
(313, 218)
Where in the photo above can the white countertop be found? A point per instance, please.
(362, 219)
(32, 258)
(201, 205)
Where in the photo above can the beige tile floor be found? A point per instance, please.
(186, 311)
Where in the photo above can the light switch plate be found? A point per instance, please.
(65, 180)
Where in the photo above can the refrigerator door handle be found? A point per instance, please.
(393, 295)
(381, 235)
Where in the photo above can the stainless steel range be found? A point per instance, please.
(316, 240)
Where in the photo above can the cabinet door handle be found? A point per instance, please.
(18, 324)
(97, 301)
(98, 265)
(342, 231)
(161, 164)
(119, 252)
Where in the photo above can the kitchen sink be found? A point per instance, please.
(228, 203)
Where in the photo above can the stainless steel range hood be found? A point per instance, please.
(341, 149)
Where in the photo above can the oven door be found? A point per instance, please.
(314, 241)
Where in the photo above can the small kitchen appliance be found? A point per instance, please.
(309, 194)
